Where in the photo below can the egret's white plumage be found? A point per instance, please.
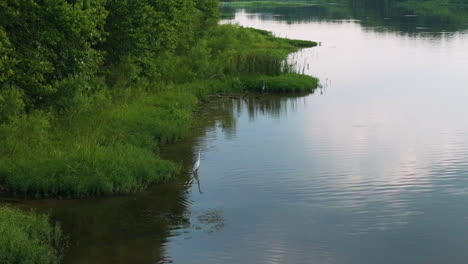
(197, 163)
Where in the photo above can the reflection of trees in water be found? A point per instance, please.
(407, 16)
(273, 106)
(127, 229)
(258, 105)
(223, 113)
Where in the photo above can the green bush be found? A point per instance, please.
(28, 238)
(52, 40)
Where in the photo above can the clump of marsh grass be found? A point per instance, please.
(284, 83)
(26, 237)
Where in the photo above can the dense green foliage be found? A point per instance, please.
(53, 51)
(91, 88)
(28, 238)
(51, 56)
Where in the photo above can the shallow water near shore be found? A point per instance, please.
(371, 168)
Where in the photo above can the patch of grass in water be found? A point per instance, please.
(284, 83)
(227, 15)
(297, 43)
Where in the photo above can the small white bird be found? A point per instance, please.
(197, 163)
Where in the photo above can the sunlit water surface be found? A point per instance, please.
(372, 168)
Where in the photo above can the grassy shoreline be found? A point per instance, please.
(90, 95)
(112, 147)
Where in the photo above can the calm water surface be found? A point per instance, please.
(372, 168)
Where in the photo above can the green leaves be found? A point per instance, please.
(147, 28)
(51, 40)
(52, 50)
(11, 103)
(6, 57)
(210, 8)
(28, 238)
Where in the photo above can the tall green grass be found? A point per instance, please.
(99, 151)
(284, 83)
(28, 238)
(249, 50)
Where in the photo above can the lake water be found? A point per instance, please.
(371, 168)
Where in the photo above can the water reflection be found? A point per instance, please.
(197, 180)
(408, 17)
(136, 228)
(374, 171)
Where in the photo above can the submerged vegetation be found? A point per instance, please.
(28, 238)
(91, 89)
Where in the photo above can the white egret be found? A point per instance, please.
(197, 163)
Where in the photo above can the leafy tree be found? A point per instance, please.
(11, 102)
(141, 30)
(210, 8)
(53, 41)
(53, 50)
